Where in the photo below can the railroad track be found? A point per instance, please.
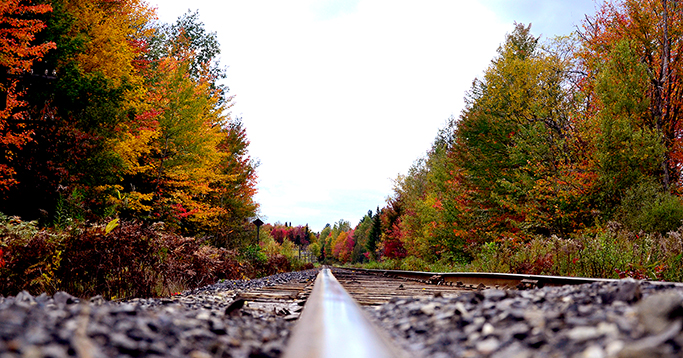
(285, 299)
(334, 325)
(424, 314)
(375, 288)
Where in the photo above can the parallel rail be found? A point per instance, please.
(487, 279)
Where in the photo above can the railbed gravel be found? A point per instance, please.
(625, 318)
(192, 324)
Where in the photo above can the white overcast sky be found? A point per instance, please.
(340, 96)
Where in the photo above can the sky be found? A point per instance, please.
(339, 97)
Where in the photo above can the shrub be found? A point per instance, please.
(129, 260)
(31, 257)
(412, 263)
(646, 207)
(133, 260)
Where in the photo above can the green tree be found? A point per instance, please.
(375, 234)
(628, 152)
(360, 235)
(513, 136)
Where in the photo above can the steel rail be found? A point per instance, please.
(333, 325)
(488, 279)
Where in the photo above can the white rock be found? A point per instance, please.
(608, 329)
(487, 329)
(487, 346)
(582, 333)
(593, 351)
(428, 309)
(613, 348)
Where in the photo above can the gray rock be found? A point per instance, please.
(63, 299)
(656, 311)
(653, 345)
(595, 320)
(194, 324)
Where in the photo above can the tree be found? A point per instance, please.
(323, 239)
(361, 233)
(628, 152)
(77, 120)
(646, 37)
(19, 51)
(375, 234)
(515, 140)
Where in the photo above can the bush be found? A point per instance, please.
(30, 257)
(412, 263)
(609, 252)
(130, 260)
(133, 260)
(646, 207)
(31, 264)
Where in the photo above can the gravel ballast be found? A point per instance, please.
(624, 318)
(196, 324)
(609, 319)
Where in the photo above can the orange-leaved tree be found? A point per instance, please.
(18, 52)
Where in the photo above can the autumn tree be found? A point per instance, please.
(19, 52)
(135, 124)
(361, 235)
(72, 165)
(514, 142)
(430, 216)
(323, 239)
(631, 56)
(649, 31)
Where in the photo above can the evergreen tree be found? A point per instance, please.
(375, 234)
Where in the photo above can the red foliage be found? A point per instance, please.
(297, 235)
(279, 233)
(17, 34)
(540, 266)
(393, 246)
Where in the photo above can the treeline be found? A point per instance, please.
(122, 171)
(111, 113)
(567, 159)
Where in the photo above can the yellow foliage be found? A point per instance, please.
(131, 147)
(133, 200)
(111, 31)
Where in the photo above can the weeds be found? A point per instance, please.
(612, 251)
(120, 260)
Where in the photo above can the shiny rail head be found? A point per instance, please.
(333, 325)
